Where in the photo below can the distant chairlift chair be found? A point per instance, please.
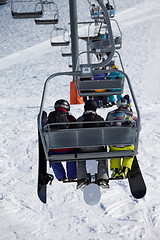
(110, 5)
(59, 37)
(50, 15)
(26, 9)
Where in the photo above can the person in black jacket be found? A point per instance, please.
(61, 115)
(90, 114)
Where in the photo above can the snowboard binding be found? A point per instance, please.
(46, 178)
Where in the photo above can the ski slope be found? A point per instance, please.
(26, 60)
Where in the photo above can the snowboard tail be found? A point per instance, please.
(136, 181)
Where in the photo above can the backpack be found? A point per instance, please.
(91, 116)
(58, 116)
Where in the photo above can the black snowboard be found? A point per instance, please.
(136, 181)
(42, 170)
(43, 177)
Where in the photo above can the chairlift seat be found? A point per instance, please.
(3, 2)
(46, 21)
(60, 43)
(85, 138)
(23, 15)
(90, 38)
(66, 54)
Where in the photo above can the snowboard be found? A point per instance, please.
(43, 176)
(91, 192)
(136, 181)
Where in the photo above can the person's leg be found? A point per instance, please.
(71, 170)
(127, 162)
(82, 176)
(58, 170)
(102, 170)
(115, 164)
(81, 170)
(102, 175)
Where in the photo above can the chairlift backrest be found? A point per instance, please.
(85, 137)
(87, 87)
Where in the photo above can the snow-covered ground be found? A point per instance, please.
(26, 60)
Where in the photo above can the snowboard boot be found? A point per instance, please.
(46, 178)
(104, 183)
(82, 183)
(62, 179)
(124, 172)
(116, 173)
(72, 179)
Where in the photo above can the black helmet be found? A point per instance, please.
(90, 105)
(61, 103)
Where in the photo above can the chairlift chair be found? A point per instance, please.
(84, 137)
(66, 51)
(3, 2)
(96, 12)
(101, 43)
(59, 37)
(110, 5)
(117, 34)
(50, 15)
(90, 86)
(26, 9)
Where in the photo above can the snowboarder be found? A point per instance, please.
(102, 101)
(108, 6)
(61, 114)
(95, 10)
(90, 114)
(114, 75)
(123, 112)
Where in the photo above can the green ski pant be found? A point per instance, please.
(116, 162)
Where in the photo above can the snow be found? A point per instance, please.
(26, 60)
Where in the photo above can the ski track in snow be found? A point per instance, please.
(23, 72)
